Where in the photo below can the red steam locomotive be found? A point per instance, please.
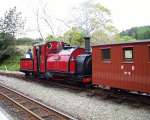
(59, 61)
(123, 66)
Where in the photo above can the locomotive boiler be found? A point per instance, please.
(59, 61)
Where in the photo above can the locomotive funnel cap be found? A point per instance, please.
(87, 44)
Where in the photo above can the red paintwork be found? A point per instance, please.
(118, 73)
(87, 80)
(26, 64)
(35, 60)
(42, 59)
(53, 58)
(55, 47)
(56, 59)
(56, 63)
(63, 61)
(73, 56)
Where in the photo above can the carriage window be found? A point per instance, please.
(128, 53)
(106, 54)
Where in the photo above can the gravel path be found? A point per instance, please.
(79, 105)
(5, 116)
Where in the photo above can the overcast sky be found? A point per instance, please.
(125, 13)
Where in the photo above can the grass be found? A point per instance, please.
(23, 48)
(11, 64)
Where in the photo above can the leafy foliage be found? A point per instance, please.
(95, 19)
(125, 38)
(11, 22)
(11, 64)
(9, 26)
(139, 33)
(54, 38)
(6, 45)
(24, 41)
(74, 36)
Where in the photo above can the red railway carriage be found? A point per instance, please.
(123, 66)
(58, 60)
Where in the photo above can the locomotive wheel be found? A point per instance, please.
(27, 74)
(48, 75)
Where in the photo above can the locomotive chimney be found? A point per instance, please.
(87, 44)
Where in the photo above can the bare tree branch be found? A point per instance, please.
(38, 25)
(45, 18)
(66, 24)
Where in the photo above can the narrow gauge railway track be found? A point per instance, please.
(118, 96)
(29, 108)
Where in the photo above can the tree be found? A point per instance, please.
(44, 17)
(10, 24)
(24, 41)
(74, 36)
(125, 38)
(95, 19)
(139, 33)
(6, 45)
(54, 38)
(38, 25)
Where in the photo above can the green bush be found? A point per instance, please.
(7, 46)
(11, 64)
(139, 33)
(24, 41)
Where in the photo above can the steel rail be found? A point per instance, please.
(32, 115)
(35, 116)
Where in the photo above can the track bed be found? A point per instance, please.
(29, 108)
(86, 104)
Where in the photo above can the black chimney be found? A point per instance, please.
(87, 44)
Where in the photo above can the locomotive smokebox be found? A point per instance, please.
(87, 44)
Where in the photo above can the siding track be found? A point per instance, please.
(29, 108)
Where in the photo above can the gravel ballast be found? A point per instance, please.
(78, 105)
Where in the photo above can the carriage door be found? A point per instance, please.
(127, 67)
